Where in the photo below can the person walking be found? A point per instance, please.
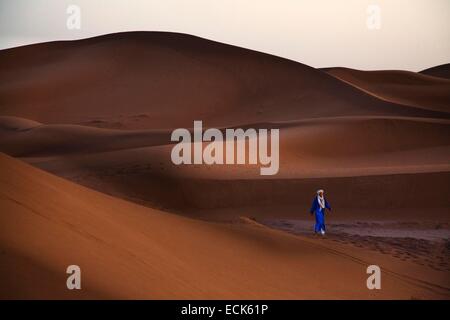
(318, 207)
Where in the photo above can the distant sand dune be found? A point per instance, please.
(155, 80)
(442, 71)
(54, 139)
(313, 138)
(406, 155)
(402, 87)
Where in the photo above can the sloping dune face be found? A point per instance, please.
(164, 80)
(405, 155)
(128, 251)
(442, 71)
(20, 137)
(402, 87)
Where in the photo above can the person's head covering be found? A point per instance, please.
(319, 191)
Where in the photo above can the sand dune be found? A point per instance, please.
(143, 176)
(21, 137)
(337, 131)
(155, 80)
(128, 251)
(300, 140)
(315, 138)
(442, 71)
(402, 87)
(8, 124)
(411, 153)
(99, 112)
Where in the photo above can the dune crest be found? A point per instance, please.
(160, 80)
(441, 71)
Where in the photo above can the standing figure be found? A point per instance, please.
(318, 208)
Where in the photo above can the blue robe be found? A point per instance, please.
(319, 213)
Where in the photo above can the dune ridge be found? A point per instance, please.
(160, 80)
(411, 154)
(441, 71)
(402, 87)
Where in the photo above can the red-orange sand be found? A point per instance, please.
(129, 251)
(98, 113)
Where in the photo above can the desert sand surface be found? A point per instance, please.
(424, 243)
(402, 87)
(405, 155)
(130, 251)
(99, 113)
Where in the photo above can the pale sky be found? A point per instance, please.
(407, 34)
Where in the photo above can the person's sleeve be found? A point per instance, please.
(327, 205)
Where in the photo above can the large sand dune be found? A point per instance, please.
(165, 80)
(128, 251)
(100, 111)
